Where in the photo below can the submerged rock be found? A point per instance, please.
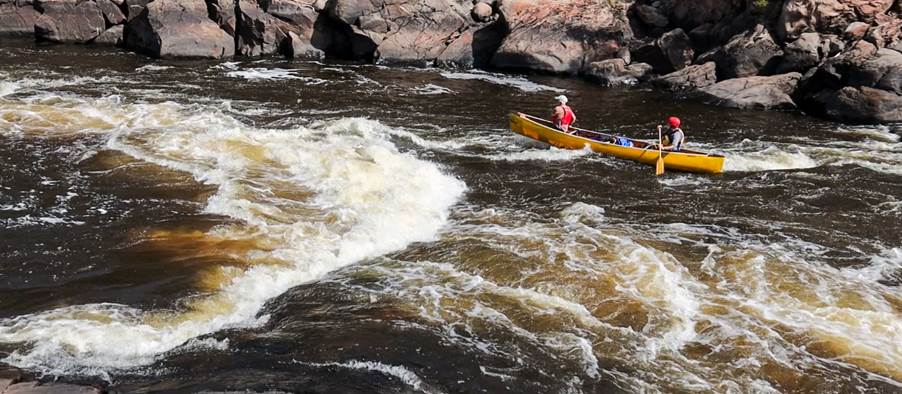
(773, 92)
(178, 28)
(50, 388)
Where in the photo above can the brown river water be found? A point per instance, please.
(333, 227)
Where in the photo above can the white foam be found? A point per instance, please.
(366, 199)
(880, 267)
(769, 159)
(7, 88)
(432, 89)
(550, 154)
(152, 67)
(403, 374)
(502, 79)
(880, 133)
(273, 74)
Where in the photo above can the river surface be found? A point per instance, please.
(333, 227)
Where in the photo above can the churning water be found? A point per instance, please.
(258, 225)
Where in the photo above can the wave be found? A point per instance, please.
(273, 74)
(318, 198)
(403, 374)
(502, 79)
(769, 159)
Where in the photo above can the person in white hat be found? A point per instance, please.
(563, 116)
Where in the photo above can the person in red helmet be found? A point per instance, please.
(674, 136)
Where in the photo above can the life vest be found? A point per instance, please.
(669, 138)
(567, 119)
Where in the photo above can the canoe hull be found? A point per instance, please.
(679, 161)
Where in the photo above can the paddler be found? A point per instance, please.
(563, 116)
(673, 137)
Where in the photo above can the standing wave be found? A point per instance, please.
(316, 198)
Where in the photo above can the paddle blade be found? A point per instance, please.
(659, 167)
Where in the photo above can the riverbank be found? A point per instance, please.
(838, 59)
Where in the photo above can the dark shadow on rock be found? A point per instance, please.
(339, 41)
(486, 42)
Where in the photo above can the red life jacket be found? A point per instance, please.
(568, 116)
(567, 119)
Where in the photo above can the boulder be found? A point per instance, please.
(301, 13)
(651, 16)
(690, 14)
(677, 48)
(133, 8)
(405, 31)
(223, 13)
(69, 21)
(111, 12)
(17, 19)
(300, 47)
(826, 16)
(772, 92)
(651, 53)
(861, 105)
(560, 36)
(178, 28)
(856, 31)
(887, 32)
(689, 78)
(258, 32)
(748, 54)
(883, 71)
(111, 37)
(614, 72)
(472, 48)
(481, 12)
(801, 54)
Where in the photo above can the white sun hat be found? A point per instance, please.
(561, 98)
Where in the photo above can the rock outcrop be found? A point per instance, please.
(690, 78)
(111, 37)
(746, 54)
(17, 18)
(834, 58)
(615, 72)
(861, 105)
(772, 92)
(71, 21)
(560, 36)
(178, 28)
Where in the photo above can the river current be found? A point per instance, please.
(334, 227)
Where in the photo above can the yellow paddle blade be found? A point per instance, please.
(659, 167)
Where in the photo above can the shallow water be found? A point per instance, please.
(275, 225)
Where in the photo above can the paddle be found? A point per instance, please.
(659, 166)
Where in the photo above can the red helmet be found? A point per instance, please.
(673, 121)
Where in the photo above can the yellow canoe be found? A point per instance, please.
(684, 160)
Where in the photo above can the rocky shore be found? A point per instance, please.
(840, 59)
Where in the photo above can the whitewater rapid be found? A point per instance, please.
(319, 197)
